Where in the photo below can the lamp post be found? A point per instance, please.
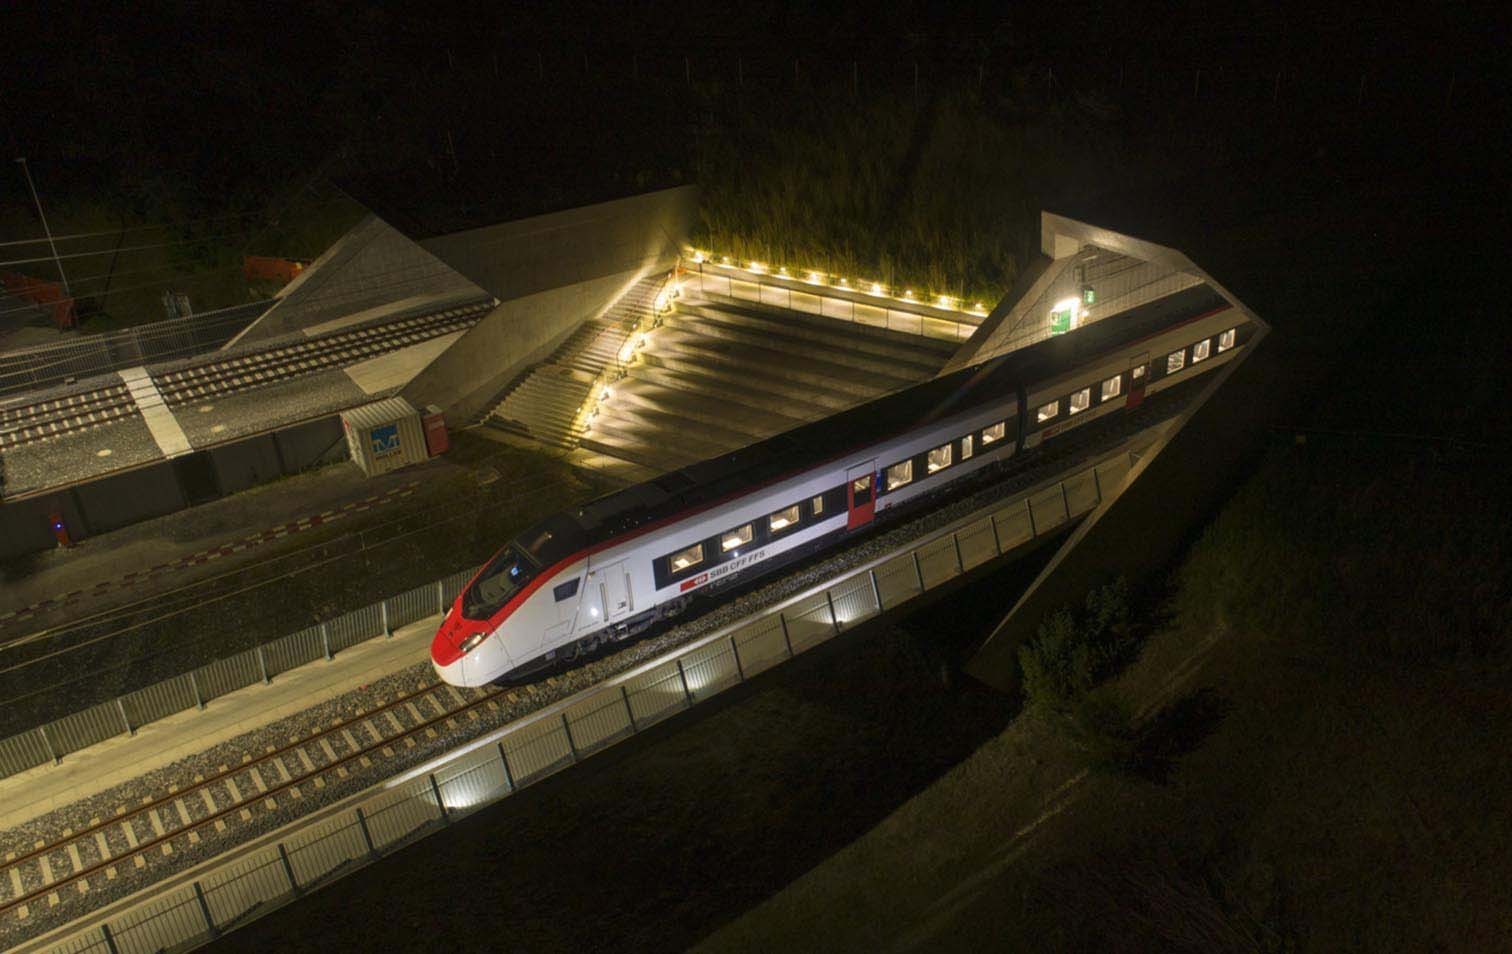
(43, 216)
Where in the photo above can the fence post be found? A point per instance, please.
(625, 695)
(105, 935)
(439, 803)
(367, 836)
(388, 631)
(199, 895)
(42, 729)
(997, 541)
(262, 663)
(283, 855)
(121, 708)
(440, 596)
(504, 758)
(834, 620)
(325, 640)
(960, 563)
(782, 618)
(739, 669)
(876, 591)
(684, 677)
(917, 571)
(567, 727)
(199, 700)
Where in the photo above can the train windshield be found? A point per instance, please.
(502, 578)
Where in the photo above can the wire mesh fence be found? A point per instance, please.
(486, 770)
(46, 366)
(199, 687)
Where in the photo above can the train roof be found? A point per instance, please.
(809, 444)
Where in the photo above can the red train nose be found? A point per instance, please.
(446, 647)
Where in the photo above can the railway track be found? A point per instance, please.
(227, 376)
(28, 423)
(23, 422)
(156, 831)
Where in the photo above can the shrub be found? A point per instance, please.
(1072, 653)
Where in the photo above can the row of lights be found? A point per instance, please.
(813, 277)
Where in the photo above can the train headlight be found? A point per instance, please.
(470, 643)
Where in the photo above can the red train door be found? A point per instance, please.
(860, 493)
(1138, 375)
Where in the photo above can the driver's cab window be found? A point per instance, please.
(861, 491)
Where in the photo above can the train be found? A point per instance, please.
(626, 563)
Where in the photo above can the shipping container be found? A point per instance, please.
(385, 435)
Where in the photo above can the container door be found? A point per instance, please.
(860, 493)
(1139, 375)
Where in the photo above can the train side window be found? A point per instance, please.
(565, 591)
(1046, 412)
(738, 537)
(1081, 400)
(966, 449)
(940, 457)
(1226, 340)
(900, 474)
(994, 433)
(684, 559)
(1112, 387)
(1137, 372)
(861, 491)
(1201, 350)
(783, 519)
(816, 506)
(1175, 361)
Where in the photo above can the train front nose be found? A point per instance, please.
(459, 651)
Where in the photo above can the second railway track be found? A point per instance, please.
(224, 805)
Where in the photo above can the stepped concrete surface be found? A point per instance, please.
(714, 377)
(545, 403)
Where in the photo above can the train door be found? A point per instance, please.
(860, 493)
(608, 595)
(1139, 375)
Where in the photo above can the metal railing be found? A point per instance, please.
(322, 847)
(89, 355)
(841, 304)
(197, 688)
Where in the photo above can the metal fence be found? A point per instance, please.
(843, 304)
(199, 687)
(367, 826)
(89, 355)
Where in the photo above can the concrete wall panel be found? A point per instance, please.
(310, 445)
(246, 463)
(124, 499)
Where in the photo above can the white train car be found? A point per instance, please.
(623, 564)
